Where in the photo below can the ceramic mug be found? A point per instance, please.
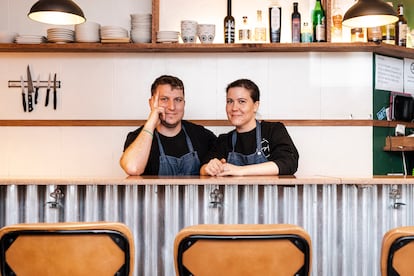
(206, 32)
(189, 31)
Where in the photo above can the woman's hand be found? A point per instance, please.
(214, 167)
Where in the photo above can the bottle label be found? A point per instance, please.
(295, 30)
(337, 21)
(402, 34)
(229, 32)
(320, 31)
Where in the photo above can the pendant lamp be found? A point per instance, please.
(57, 12)
(369, 13)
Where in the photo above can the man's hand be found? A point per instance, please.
(157, 112)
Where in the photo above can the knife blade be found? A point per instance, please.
(37, 89)
(49, 84)
(30, 89)
(23, 95)
(54, 93)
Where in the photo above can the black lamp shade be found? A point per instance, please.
(369, 13)
(58, 12)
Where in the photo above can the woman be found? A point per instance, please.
(253, 148)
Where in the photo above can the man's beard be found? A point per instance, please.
(167, 125)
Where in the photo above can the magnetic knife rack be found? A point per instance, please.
(43, 84)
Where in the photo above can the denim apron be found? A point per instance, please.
(257, 157)
(188, 164)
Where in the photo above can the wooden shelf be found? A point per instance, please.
(384, 49)
(399, 143)
(111, 123)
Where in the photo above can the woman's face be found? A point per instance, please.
(240, 109)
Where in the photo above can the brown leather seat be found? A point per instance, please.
(397, 252)
(96, 248)
(242, 249)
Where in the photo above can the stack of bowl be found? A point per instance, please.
(87, 32)
(141, 25)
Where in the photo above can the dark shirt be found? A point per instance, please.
(201, 138)
(276, 145)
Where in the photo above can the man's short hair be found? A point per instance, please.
(175, 83)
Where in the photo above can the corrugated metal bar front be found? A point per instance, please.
(346, 222)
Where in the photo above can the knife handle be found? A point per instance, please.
(24, 102)
(54, 100)
(47, 97)
(30, 102)
(36, 94)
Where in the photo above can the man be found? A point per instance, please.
(166, 144)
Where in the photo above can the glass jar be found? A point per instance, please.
(357, 35)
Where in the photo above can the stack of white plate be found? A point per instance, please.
(30, 39)
(114, 33)
(141, 25)
(87, 32)
(60, 35)
(167, 36)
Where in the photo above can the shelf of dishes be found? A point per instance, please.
(385, 49)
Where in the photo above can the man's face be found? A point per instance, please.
(172, 100)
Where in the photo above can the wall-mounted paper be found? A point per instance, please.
(409, 76)
(389, 73)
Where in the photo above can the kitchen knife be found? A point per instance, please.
(37, 89)
(30, 89)
(54, 93)
(23, 95)
(48, 89)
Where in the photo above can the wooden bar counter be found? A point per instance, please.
(345, 217)
(204, 180)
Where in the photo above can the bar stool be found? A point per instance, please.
(242, 249)
(397, 252)
(95, 248)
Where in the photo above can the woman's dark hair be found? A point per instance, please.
(247, 84)
(175, 83)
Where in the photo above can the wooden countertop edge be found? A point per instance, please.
(249, 180)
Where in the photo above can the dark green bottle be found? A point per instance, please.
(319, 23)
(229, 25)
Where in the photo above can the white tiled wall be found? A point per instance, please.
(116, 86)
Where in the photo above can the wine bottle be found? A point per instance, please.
(229, 25)
(401, 28)
(318, 22)
(295, 23)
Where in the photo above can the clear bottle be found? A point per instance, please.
(275, 23)
(296, 24)
(336, 29)
(306, 35)
(244, 31)
(260, 28)
(401, 28)
(388, 32)
(229, 25)
(319, 23)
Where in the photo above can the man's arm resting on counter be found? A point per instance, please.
(135, 157)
